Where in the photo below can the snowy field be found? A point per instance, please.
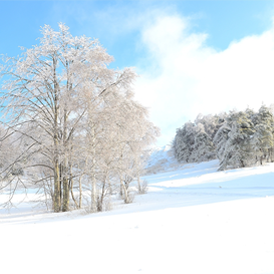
(193, 220)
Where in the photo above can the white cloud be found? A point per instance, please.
(186, 77)
(181, 76)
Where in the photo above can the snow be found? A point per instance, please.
(161, 159)
(193, 220)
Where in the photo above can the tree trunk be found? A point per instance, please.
(57, 188)
(72, 195)
(139, 183)
(65, 204)
(93, 180)
(80, 193)
(124, 192)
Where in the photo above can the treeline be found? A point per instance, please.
(238, 138)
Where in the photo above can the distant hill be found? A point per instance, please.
(161, 159)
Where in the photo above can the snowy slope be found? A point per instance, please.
(161, 159)
(193, 220)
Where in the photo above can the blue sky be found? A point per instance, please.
(192, 56)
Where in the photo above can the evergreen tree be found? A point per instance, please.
(183, 142)
(263, 138)
(220, 140)
(238, 148)
(204, 149)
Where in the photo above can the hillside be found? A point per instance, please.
(193, 220)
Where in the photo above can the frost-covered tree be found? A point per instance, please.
(183, 142)
(211, 123)
(237, 150)
(203, 149)
(58, 98)
(194, 141)
(263, 139)
(220, 140)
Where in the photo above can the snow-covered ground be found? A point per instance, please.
(193, 220)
